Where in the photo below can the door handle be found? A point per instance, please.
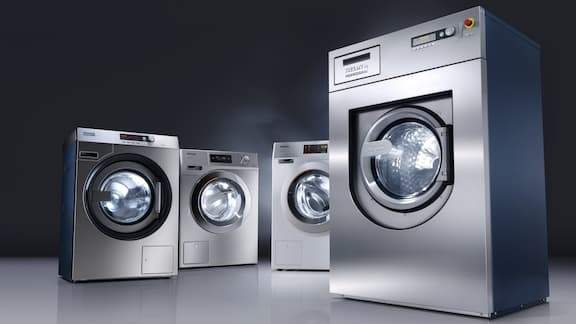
(380, 147)
(158, 205)
(445, 172)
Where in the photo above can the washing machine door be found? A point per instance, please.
(220, 202)
(309, 200)
(128, 196)
(405, 166)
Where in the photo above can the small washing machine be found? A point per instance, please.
(300, 206)
(219, 208)
(119, 215)
(437, 167)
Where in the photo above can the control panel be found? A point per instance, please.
(137, 138)
(201, 160)
(125, 138)
(420, 41)
(444, 41)
(300, 149)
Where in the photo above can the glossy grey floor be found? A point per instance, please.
(30, 292)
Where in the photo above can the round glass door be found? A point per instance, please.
(403, 165)
(410, 168)
(221, 201)
(130, 197)
(309, 197)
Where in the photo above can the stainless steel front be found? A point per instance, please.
(442, 264)
(203, 242)
(296, 244)
(97, 256)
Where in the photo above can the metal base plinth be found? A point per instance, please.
(447, 310)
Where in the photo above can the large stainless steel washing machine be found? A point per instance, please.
(300, 206)
(219, 208)
(119, 206)
(437, 168)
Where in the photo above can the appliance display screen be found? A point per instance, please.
(356, 59)
(132, 137)
(424, 39)
(315, 148)
(221, 158)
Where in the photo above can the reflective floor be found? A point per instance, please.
(30, 292)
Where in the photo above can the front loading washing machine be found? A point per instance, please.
(119, 215)
(437, 168)
(219, 208)
(300, 206)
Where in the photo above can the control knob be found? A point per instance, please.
(245, 159)
(450, 31)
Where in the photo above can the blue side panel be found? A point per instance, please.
(517, 188)
(67, 211)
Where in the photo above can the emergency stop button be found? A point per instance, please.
(469, 22)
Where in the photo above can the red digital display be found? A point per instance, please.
(131, 137)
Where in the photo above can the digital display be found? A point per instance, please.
(132, 137)
(315, 148)
(356, 59)
(220, 158)
(423, 39)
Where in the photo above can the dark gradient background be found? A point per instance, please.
(234, 76)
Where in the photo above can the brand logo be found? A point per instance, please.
(355, 70)
(88, 133)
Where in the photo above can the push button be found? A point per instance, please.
(469, 22)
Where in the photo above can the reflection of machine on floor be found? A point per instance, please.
(219, 208)
(220, 295)
(437, 168)
(299, 297)
(119, 206)
(300, 206)
(145, 301)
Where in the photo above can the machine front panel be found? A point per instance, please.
(441, 264)
(100, 256)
